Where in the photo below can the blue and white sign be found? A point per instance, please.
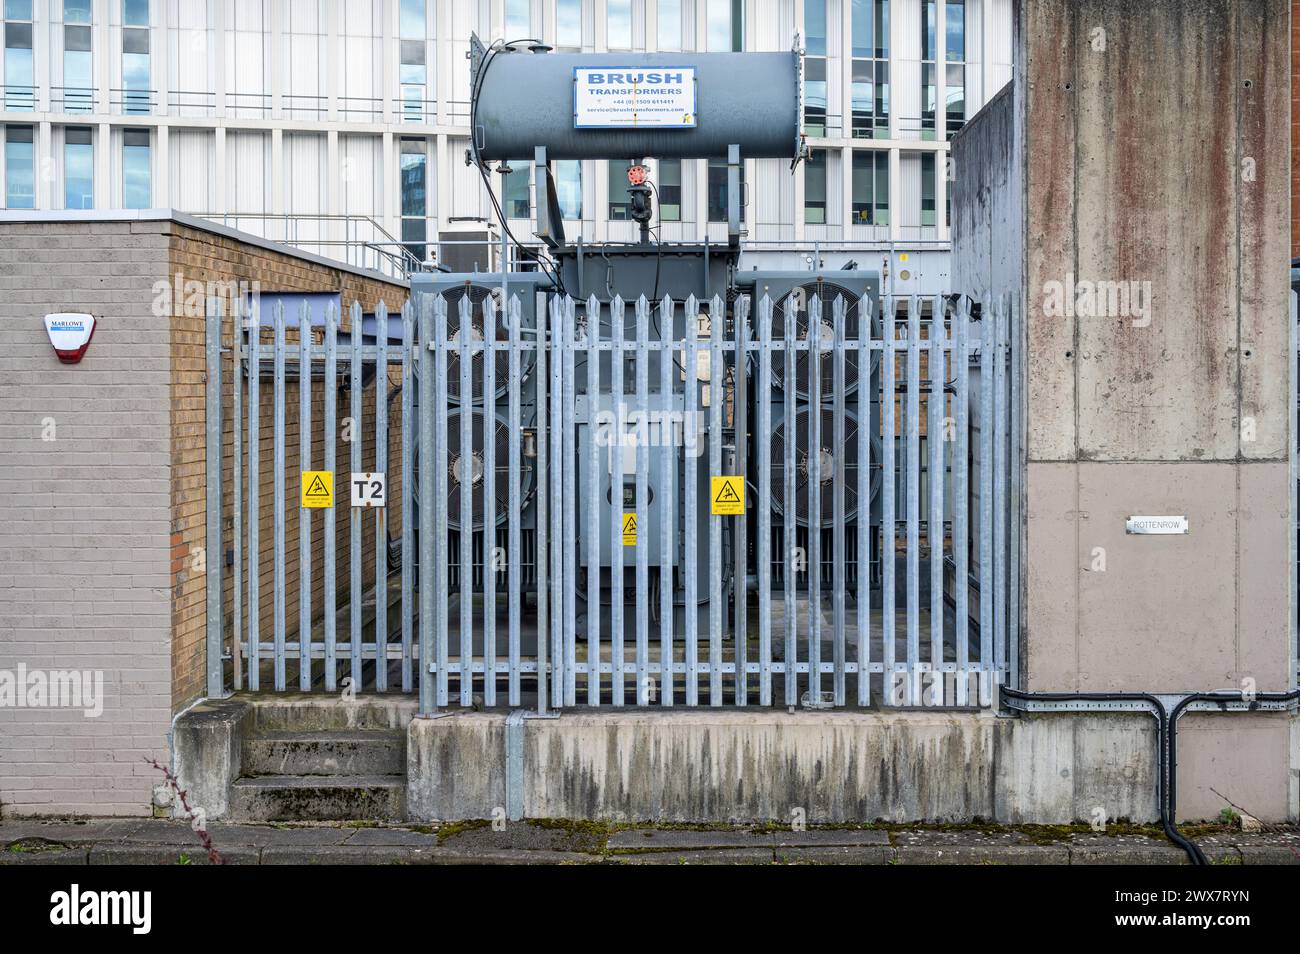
(614, 97)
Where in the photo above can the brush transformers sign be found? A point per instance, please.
(622, 97)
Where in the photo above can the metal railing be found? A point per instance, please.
(357, 240)
(595, 441)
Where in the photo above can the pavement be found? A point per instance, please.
(100, 841)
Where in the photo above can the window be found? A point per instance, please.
(814, 24)
(136, 173)
(871, 29)
(20, 75)
(413, 172)
(927, 188)
(955, 71)
(411, 19)
(568, 188)
(670, 24)
(78, 168)
(135, 57)
(518, 202)
(620, 203)
(955, 94)
(518, 20)
(929, 19)
(568, 24)
(718, 190)
(870, 68)
(724, 25)
(870, 188)
(20, 168)
(670, 187)
(412, 59)
(78, 58)
(955, 30)
(618, 25)
(814, 188)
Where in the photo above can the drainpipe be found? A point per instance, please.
(1167, 710)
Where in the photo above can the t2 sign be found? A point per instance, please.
(368, 490)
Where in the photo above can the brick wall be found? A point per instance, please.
(204, 256)
(84, 525)
(100, 526)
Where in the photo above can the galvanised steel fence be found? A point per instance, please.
(794, 503)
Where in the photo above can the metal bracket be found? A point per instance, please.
(550, 221)
(1170, 701)
(515, 759)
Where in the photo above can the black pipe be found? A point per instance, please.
(1167, 740)
(1222, 697)
(1162, 723)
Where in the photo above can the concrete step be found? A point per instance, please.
(318, 798)
(307, 712)
(331, 752)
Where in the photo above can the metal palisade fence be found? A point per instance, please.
(561, 503)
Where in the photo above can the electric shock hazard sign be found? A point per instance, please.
(728, 495)
(629, 529)
(318, 488)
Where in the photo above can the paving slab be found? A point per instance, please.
(660, 839)
(45, 856)
(345, 855)
(69, 831)
(836, 855)
(828, 837)
(719, 856)
(366, 837)
(524, 836)
(1122, 850)
(982, 853)
(117, 853)
(518, 856)
(1269, 854)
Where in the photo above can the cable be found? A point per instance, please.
(1167, 740)
(553, 273)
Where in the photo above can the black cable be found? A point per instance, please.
(491, 55)
(1167, 756)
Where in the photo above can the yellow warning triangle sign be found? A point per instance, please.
(729, 495)
(317, 488)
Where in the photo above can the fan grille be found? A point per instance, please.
(460, 464)
(827, 293)
(848, 452)
(478, 294)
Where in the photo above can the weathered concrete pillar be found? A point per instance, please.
(1154, 138)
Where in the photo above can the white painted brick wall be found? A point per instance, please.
(84, 520)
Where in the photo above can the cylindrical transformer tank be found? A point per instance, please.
(528, 99)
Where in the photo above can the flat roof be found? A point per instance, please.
(195, 222)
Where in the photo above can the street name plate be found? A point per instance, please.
(1166, 524)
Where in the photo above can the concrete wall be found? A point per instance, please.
(832, 767)
(1155, 141)
(85, 535)
(987, 203)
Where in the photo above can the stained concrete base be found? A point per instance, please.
(742, 766)
(718, 766)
